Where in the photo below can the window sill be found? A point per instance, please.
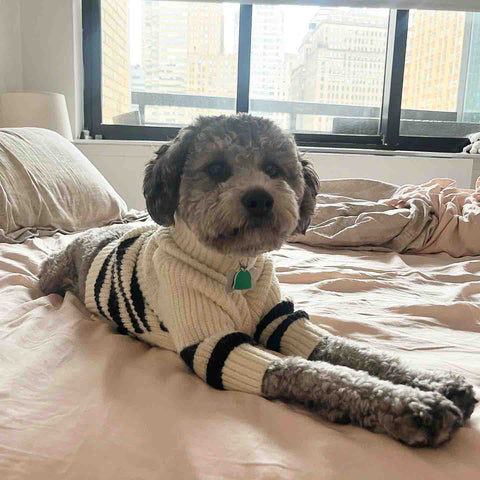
(318, 150)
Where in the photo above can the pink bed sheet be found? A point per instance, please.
(79, 402)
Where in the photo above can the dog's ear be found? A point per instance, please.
(307, 205)
(161, 182)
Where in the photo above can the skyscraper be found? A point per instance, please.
(267, 67)
(183, 52)
(115, 59)
(433, 60)
(341, 60)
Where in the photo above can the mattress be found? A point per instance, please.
(78, 401)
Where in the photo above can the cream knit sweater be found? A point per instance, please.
(163, 286)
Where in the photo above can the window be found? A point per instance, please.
(375, 78)
(165, 63)
(441, 84)
(291, 83)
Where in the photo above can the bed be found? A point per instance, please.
(78, 401)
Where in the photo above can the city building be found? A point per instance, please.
(183, 53)
(341, 61)
(269, 75)
(433, 60)
(115, 59)
(137, 77)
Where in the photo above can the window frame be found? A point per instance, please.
(388, 137)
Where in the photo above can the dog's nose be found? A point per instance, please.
(258, 202)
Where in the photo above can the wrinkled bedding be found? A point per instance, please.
(369, 215)
(78, 402)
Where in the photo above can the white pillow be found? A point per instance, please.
(47, 185)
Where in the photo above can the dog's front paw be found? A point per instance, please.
(452, 386)
(460, 393)
(428, 419)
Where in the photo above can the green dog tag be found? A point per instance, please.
(242, 280)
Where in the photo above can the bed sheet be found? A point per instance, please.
(77, 401)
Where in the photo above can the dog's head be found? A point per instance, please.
(237, 181)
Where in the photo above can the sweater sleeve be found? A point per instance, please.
(288, 331)
(229, 361)
(204, 334)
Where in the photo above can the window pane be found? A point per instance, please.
(441, 86)
(319, 69)
(165, 63)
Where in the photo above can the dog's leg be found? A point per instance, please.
(343, 395)
(291, 333)
(341, 351)
(67, 269)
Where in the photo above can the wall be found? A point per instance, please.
(123, 163)
(10, 46)
(51, 52)
(41, 50)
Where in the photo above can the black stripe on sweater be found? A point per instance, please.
(273, 343)
(99, 284)
(121, 250)
(137, 299)
(282, 308)
(219, 355)
(188, 354)
(113, 308)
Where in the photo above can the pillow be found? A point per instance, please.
(47, 185)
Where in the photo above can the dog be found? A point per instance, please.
(198, 281)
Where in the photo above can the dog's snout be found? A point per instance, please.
(258, 202)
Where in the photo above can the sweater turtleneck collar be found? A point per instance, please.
(187, 241)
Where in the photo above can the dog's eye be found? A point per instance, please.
(272, 170)
(219, 171)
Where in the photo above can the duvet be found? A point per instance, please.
(80, 402)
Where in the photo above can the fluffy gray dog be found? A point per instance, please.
(198, 282)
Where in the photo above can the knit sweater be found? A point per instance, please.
(161, 285)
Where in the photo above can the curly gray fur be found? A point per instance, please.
(343, 395)
(342, 351)
(67, 269)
